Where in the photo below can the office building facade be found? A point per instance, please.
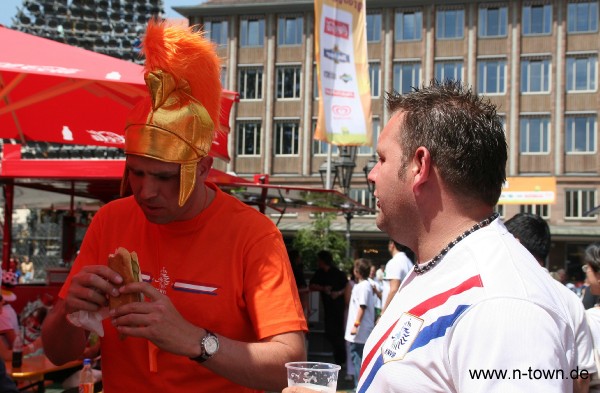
(536, 60)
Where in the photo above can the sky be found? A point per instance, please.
(8, 8)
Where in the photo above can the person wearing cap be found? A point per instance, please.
(221, 310)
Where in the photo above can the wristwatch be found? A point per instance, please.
(209, 345)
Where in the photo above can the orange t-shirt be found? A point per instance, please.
(226, 270)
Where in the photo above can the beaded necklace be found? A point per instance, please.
(431, 264)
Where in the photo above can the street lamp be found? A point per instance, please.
(345, 167)
(342, 170)
(323, 172)
(370, 185)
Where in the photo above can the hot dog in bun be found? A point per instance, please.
(126, 264)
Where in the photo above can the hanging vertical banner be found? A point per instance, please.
(343, 73)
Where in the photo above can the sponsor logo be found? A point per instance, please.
(339, 93)
(329, 74)
(336, 55)
(397, 345)
(337, 28)
(358, 5)
(346, 78)
(107, 137)
(113, 76)
(341, 111)
(163, 280)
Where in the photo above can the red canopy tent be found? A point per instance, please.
(55, 92)
(97, 179)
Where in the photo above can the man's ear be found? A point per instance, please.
(420, 167)
(203, 167)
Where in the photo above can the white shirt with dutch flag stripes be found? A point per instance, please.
(486, 306)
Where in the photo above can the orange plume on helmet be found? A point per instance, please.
(178, 120)
(186, 55)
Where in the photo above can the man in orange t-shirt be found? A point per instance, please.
(221, 310)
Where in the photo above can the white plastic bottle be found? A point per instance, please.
(86, 379)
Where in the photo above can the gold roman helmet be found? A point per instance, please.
(177, 122)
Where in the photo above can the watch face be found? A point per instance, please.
(211, 345)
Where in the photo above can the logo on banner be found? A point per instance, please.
(329, 75)
(336, 55)
(397, 345)
(346, 78)
(107, 137)
(337, 28)
(339, 93)
(341, 111)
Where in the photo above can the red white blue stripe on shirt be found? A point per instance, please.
(194, 287)
(435, 330)
(188, 286)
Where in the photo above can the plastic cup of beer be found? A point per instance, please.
(318, 376)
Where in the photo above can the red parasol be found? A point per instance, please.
(55, 92)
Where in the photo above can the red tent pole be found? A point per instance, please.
(9, 192)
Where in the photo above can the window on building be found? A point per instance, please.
(539, 210)
(448, 70)
(373, 27)
(216, 31)
(286, 138)
(375, 78)
(288, 81)
(500, 210)
(364, 197)
(493, 21)
(537, 19)
(535, 135)
(491, 76)
(580, 133)
(250, 83)
(408, 25)
(581, 73)
(406, 76)
(502, 118)
(252, 32)
(248, 138)
(224, 77)
(290, 30)
(450, 24)
(535, 75)
(577, 202)
(370, 150)
(319, 148)
(582, 17)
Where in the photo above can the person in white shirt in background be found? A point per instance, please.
(534, 234)
(376, 282)
(361, 314)
(395, 270)
(592, 270)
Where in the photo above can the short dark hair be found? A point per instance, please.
(462, 132)
(592, 256)
(326, 257)
(533, 232)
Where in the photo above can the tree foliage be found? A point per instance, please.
(309, 241)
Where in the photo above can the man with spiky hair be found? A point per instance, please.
(476, 313)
